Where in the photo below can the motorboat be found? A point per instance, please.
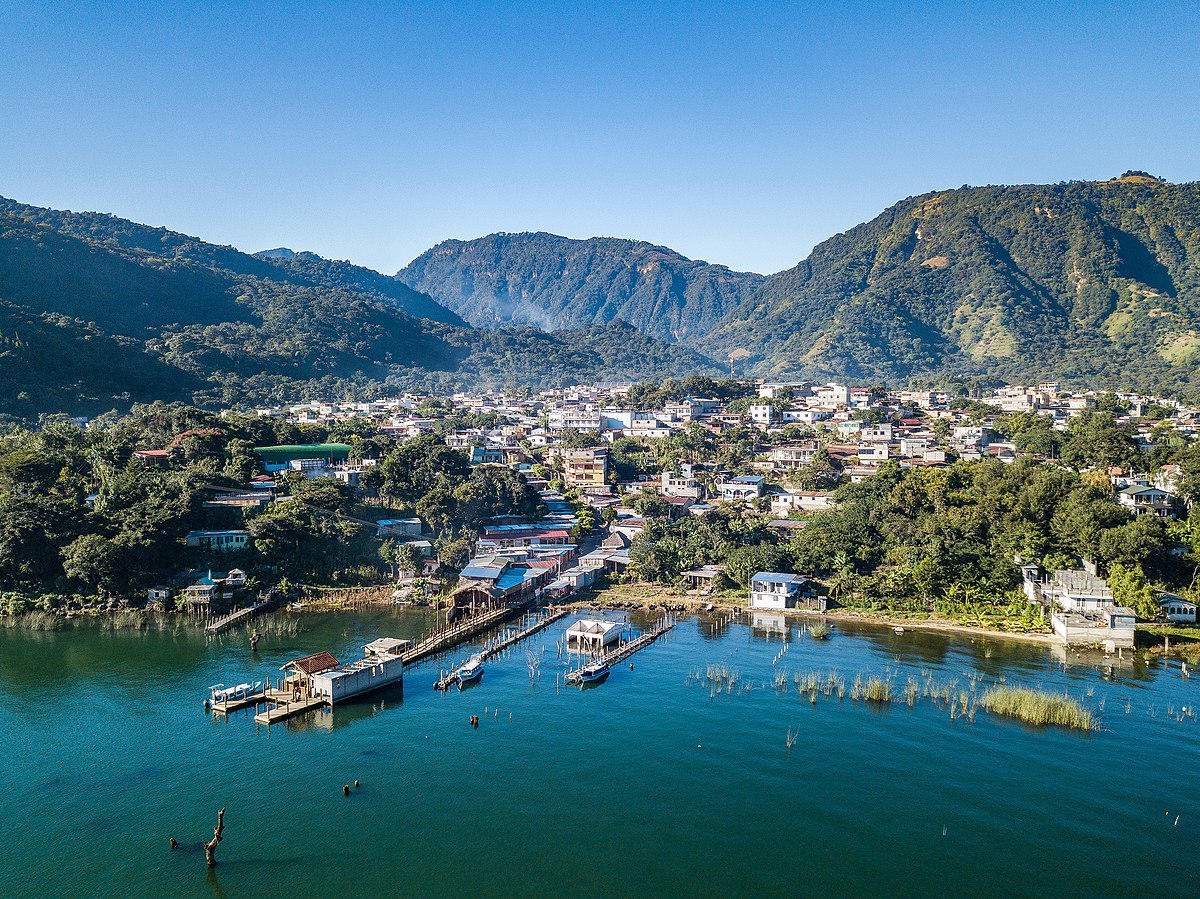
(221, 693)
(593, 671)
(470, 671)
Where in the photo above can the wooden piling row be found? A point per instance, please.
(498, 646)
(625, 650)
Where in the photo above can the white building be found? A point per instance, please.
(773, 590)
(592, 634)
(1176, 608)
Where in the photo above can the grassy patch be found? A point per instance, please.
(1038, 707)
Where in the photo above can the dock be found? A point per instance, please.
(625, 650)
(278, 704)
(439, 641)
(236, 705)
(239, 615)
(500, 644)
(281, 706)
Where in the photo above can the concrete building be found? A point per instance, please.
(773, 590)
(585, 467)
(382, 665)
(1176, 608)
(218, 541)
(593, 635)
(741, 488)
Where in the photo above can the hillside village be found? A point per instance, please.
(737, 492)
(782, 496)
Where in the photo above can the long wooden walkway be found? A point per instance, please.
(237, 615)
(625, 650)
(500, 644)
(442, 640)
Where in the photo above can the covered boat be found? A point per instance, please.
(470, 671)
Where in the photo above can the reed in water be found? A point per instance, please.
(1038, 707)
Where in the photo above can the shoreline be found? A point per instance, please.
(698, 604)
(940, 625)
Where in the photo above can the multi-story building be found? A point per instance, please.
(585, 467)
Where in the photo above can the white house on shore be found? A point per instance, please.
(774, 590)
(1176, 608)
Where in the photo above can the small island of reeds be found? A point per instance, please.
(1038, 707)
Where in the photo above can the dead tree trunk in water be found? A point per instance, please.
(210, 848)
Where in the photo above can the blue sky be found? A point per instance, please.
(739, 132)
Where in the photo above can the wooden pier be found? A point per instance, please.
(438, 641)
(236, 705)
(280, 706)
(625, 650)
(500, 644)
(237, 616)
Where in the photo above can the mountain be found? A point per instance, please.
(1087, 282)
(554, 282)
(313, 270)
(97, 312)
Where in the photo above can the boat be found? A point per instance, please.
(470, 671)
(221, 693)
(898, 629)
(593, 671)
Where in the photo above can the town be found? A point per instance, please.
(776, 497)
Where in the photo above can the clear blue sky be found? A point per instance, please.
(739, 132)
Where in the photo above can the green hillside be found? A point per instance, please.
(98, 312)
(553, 282)
(1085, 282)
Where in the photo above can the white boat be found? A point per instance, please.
(593, 671)
(470, 671)
(898, 629)
(221, 693)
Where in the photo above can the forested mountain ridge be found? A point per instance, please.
(138, 241)
(98, 312)
(553, 282)
(1085, 282)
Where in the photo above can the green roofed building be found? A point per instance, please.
(277, 458)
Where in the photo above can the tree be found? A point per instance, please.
(1096, 441)
(418, 465)
(409, 558)
(93, 561)
(743, 562)
(821, 473)
(1130, 588)
(454, 554)
(651, 505)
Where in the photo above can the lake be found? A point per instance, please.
(661, 780)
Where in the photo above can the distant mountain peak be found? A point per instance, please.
(277, 253)
(554, 283)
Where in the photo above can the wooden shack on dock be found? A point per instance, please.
(300, 672)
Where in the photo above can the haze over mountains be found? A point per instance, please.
(1092, 283)
(554, 282)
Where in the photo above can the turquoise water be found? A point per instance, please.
(648, 784)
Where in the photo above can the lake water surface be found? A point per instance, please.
(651, 783)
